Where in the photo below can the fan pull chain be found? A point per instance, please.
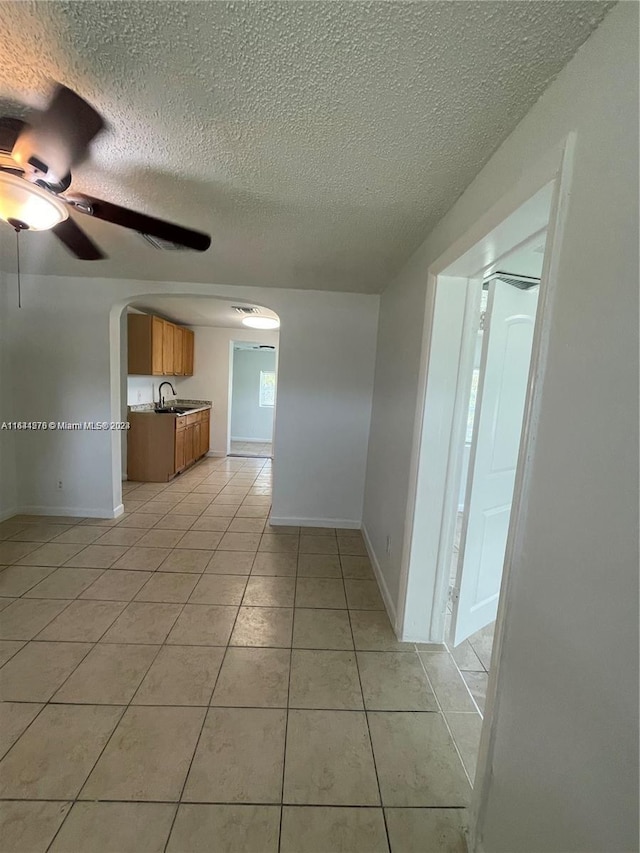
(18, 265)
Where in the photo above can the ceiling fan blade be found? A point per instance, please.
(59, 137)
(77, 242)
(149, 225)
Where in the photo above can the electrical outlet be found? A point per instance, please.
(388, 545)
(60, 485)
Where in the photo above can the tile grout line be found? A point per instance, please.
(366, 717)
(286, 716)
(125, 708)
(204, 721)
(247, 579)
(464, 681)
(445, 720)
(227, 803)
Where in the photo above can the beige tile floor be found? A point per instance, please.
(251, 448)
(187, 678)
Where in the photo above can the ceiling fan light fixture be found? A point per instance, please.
(261, 322)
(28, 204)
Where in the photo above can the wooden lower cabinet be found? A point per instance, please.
(161, 446)
(204, 434)
(192, 439)
(189, 449)
(196, 440)
(179, 452)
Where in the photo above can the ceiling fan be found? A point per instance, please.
(35, 173)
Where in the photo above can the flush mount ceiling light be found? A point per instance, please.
(261, 322)
(24, 205)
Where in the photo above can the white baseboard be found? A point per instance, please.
(347, 523)
(71, 511)
(216, 453)
(254, 440)
(384, 589)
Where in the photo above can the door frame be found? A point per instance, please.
(230, 390)
(434, 474)
(434, 477)
(457, 448)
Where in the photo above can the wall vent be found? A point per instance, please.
(522, 282)
(245, 309)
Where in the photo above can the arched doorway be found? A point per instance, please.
(215, 326)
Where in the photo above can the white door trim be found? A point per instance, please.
(548, 287)
(511, 314)
(420, 616)
(478, 249)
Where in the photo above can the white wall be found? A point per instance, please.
(144, 389)
(564, 734)
(8, 480)
(65, 346)
(249, 420)
(58, 345)
(210, 381)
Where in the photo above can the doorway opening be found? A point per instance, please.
(198, 383)
(252, 398)
(482, 348)
(488, 311)
(488, 458)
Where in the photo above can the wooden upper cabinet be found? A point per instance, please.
(167, 348)
(178, 351)
(157, 347)
(144, 344)
(188, 338)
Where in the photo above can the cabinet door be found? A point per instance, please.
(197, 441)
(178, 351)
(189, 450)
(157, 346)
(204, 434)
(179, 461)
(167, 348)
(187, 358)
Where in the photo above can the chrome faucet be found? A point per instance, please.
(161, 401)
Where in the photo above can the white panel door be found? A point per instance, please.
(502, 388)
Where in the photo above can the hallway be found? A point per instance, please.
(186, 672)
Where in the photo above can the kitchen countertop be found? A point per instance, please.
(150, 408)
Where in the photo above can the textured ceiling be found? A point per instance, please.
(318, 142)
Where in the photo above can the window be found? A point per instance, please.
(267, 388)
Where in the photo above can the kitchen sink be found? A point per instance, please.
(172, 410)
